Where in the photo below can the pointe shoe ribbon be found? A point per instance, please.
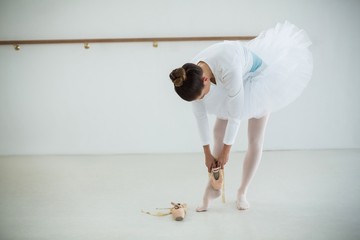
(178, 211)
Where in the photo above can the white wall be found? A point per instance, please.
(117, 98)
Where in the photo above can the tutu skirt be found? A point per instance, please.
(287, 70)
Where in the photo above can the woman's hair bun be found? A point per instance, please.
(178, 76)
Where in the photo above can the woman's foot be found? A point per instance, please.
(242, 203)
(209, 194)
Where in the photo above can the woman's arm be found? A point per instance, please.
(202, 121)
(224, 155)
(204, 130)
(209, 158)
(233, 82)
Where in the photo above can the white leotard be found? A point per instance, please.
(230, 63)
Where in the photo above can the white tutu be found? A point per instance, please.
(288, 69)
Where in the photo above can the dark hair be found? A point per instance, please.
(187, 81)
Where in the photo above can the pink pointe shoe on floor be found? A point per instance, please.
(178, 211)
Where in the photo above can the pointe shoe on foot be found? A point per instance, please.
(178, 211)
(217, 178)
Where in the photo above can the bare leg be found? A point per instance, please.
(210, 193)
(256, 132)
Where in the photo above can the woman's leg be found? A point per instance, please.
(210, 193)
(256, 132)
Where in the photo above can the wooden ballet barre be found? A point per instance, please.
(86, 42)
(115, 40)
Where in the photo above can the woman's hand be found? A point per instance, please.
(209, 158)
(224, 156)
(210, 162)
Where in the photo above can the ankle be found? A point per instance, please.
(241, 192)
